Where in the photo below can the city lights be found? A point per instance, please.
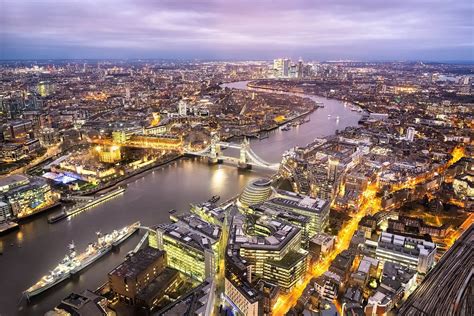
(245, 158)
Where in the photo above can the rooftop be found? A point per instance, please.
(190, 303)
(6, 182)
(280, 234)
(298, 201)
(137, 263)
(162, 281)
(288, 260)
(187, 236)
(406, 245)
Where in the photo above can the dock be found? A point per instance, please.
(54, 218)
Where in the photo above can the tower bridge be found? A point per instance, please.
(246, 160)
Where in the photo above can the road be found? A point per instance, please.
(50, 152)
(370, 205)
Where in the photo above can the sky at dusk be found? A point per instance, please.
(437, 30)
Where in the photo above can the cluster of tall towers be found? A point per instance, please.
(284, 68)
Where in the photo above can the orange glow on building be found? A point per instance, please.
(279, 119)
(370, 204)
(99, 96)
(457, 153)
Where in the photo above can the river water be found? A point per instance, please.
(38, 246)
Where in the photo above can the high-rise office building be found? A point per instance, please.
(182, 108)
(271, 252)
(45, 88)
(315, 208)
(287, 271)
(300, 68)
(281, 67)
(187, 250)
(284, 68)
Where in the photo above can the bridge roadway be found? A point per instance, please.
(251, 158)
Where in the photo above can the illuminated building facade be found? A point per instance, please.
(269, 249)
(413, 253)
(45, 88)
(275, 244)
(301, 221)
(48, 136)
(257, 191)
(5, 213)
(12, 152)
(316, 209)
(87, 167)
(155, 130)
(187, 251)
(210, 213)
(281, 67)
(18, 130)
(319, 168)
(162, 141)
(26, 196)
(464, 186)
(120, 137)
(110, 154)
(287, 271)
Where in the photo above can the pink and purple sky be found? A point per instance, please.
(437, 30)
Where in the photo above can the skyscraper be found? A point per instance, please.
(182, 108)
(281, 67)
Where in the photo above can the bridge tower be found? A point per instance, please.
(215, 150)
(244, 146)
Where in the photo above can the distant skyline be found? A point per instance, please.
(431, 30)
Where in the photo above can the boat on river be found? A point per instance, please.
(73, 263)
(214, 199)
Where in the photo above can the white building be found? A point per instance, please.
(411, 134)
(182, 108)
(414, 253)
(281, 66)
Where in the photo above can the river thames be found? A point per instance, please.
(37, 247)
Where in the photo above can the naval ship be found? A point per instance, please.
(73, 263)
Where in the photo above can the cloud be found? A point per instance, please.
(367, 29)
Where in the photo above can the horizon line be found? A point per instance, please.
(342, 60)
